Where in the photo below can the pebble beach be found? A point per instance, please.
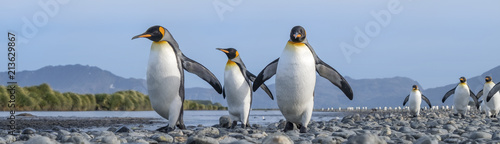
(432, 126)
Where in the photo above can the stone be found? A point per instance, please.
(163, 138)
(478, 135)
(28, 131)
(40, 140)
(123, 129)
(200, 139)
(208, 131)
(343, 133)
(365, 138)
(225, 121)
(278, 138)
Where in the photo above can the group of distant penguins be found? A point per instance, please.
(461, 100)
(295, 80)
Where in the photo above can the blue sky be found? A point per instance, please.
(432, 42)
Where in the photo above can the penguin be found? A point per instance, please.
(165, 76)
(484, 108)
(494, 103)
(461, 100)
(237, 88)
(494, 91)
(295, 79)
(415, 97)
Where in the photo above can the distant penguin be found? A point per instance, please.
(494, 102)
(415, 97)
(461, 100)
(296, 78)
(165, 76)
(237, 87)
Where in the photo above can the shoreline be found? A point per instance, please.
(374, 127)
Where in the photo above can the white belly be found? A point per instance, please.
(415, 100)
(238, 93)
(163, 79)
(461, 98)
(295, 81)
(494, 103)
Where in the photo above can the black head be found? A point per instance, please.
(231, 53)
(154, 33)
(415, 87)
(487, 79)
(298, 34)
(463, 80)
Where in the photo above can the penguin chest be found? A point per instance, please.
(163, 78)
(494, 102)
(415, 100)
(295, 79)
(461, 97)
(237, 90)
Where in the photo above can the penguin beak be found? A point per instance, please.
(297, 35)
(144, 35)
(223, 50)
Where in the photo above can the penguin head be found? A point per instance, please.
(156, 34)
(231, 53)
(487, 79)
(415, 87)
(463, 80)
(298, 34)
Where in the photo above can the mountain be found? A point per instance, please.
(78, 79)
(367, 92)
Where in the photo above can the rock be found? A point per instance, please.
(365, 138)
(208, 131)
(9, 139)
(277, 138)
(123, 129)
(163, 138)
(25, 114)
(200, 139)
(225, 121)
(40, 140)
(406, 129)
(386, 131)
(74, 130)
(478, 135)
(75, 138)
(112, 129)
(28, 131)
(343, 133)
(325, 140)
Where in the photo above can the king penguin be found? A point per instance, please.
(461, 100)
(237, 87)
(494, 102)
(415, 97)
(165, 76)
(295, 79)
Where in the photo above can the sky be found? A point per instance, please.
(432, 42)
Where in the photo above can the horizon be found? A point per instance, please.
(433, 43)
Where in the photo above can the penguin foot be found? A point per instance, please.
(181, 126)
(234, 124)
(288, 126)
(303, 129)
(165, 129)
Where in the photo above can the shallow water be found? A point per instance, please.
(191, 118)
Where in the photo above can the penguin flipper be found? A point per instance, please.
(265, 74)
(473, 96)
(427, 101)
(264, 87)
(334, 77)
(448, 94)
(202, 72)
(223, 92)
(492, 92)
(406, 100)
(479, 94)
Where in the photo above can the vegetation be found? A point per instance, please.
(43, 98)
